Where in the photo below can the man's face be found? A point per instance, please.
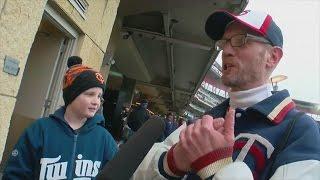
(243, 67)
(87, 103)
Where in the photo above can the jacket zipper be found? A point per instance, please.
(75, 138)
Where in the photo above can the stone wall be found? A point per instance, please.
(19, 21)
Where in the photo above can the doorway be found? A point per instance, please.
(40, 91)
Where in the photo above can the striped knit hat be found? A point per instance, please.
(78, 79)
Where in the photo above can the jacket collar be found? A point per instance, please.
(275, 107)
(97, 119)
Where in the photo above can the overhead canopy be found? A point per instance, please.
(163, 45)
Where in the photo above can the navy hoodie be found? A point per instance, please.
(51, 149)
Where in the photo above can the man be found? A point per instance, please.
(138, 116)
(239, 137)
(126, 131)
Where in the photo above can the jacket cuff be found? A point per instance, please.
(170, 166)
(207, 165)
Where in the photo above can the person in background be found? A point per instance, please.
(126, 130)
(138, 116)
(171, 124)
(181, 121)
(71, 143)
(252, 135)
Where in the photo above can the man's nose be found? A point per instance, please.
(227, 49)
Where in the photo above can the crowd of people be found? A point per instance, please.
(134, 118)
(255, 134)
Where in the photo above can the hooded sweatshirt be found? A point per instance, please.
(51, 149)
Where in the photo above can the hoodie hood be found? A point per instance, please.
(91, 123)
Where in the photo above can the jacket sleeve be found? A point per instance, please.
(110, 149)
(24, 157)
(300, 159)
(155, 165)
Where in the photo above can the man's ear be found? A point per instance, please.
(275, 56)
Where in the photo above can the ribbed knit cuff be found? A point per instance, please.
(170, 166)
(212, 162)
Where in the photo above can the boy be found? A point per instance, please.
(70, 143)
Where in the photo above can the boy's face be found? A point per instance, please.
(87, 103)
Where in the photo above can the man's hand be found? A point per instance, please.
(202, 137)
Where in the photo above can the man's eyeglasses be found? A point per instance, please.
(239, 40)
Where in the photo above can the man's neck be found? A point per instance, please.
(250, 97)
(73, 119)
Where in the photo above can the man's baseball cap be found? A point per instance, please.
(259, 22)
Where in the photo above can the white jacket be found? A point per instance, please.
(301, 170)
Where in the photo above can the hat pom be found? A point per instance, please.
(74, 60)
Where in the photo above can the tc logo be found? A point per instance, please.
(99, 78)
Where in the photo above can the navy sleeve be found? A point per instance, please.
(303, 143)
(24, 157)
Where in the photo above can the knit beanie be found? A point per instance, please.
(78, 79)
